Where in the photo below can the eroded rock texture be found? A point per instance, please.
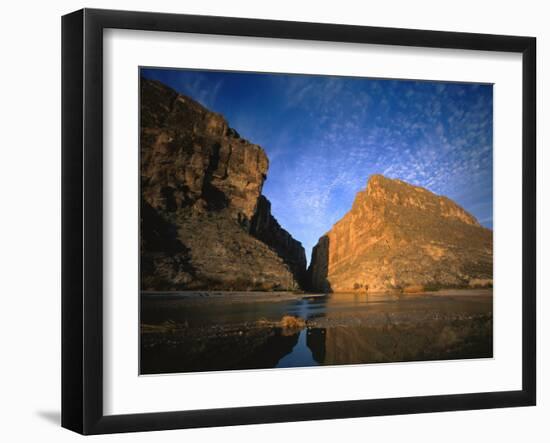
(402, 237)
(204, 222)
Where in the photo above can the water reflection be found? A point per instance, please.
(217, 334)
(300, 355)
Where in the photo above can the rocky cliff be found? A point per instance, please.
(266, 228)
(402, 237)
(204, 222)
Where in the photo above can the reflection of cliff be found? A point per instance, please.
(391, 343)
(315, 341)
(359, 345)
(399, 236)
(253, 349)
(204, 222)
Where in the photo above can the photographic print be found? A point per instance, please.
(291, 220)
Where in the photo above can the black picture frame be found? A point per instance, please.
(82, 218)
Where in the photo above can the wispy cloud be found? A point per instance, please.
(326, 135)
(407, 135)
(196, 84)
(202, 90)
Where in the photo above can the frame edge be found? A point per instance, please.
(529, 220)
(72, 222)
(81, 222)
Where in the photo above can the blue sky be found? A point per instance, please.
(325, 136)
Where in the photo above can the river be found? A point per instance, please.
(211, 331)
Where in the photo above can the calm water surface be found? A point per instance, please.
(209, 331)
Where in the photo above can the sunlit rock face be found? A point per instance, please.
(204, 222)
(190, 158)
(402, 237)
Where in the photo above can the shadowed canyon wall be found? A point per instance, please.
(204, 222)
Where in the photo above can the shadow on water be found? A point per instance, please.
(339, 329)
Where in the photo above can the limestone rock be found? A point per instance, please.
(204, 222)
(267, 229)
(191, 158)
(402, 237)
